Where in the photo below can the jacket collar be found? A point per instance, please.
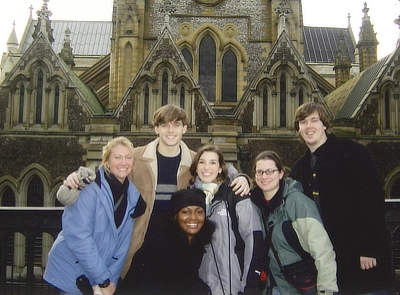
(151, 151)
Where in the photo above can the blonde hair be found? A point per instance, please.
(110, 146)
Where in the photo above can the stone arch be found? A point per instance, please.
(27, 175)
(392, 179)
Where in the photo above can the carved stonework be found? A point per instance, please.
(126, 115)
(77, 118)
(202, 118)
(246, 120)
(3, 107)
(230, 30)
(368, 119)
(185, 29)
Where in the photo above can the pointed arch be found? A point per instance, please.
(207, 67)
(229, 77)
(392, 184)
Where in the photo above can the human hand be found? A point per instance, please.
(110, 290)
(97, 290)
(367, 262)
(72, 180)
(240, 186)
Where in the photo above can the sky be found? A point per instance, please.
(320, 13)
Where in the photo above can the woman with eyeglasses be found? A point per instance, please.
(301, 256)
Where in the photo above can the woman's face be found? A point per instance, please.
(120, 162)
(267, 177)
(208, 167)
(191, 219)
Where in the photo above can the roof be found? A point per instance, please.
(346, 101)
(321, 44)
(87, 37)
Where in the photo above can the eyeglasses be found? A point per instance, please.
(260, 172)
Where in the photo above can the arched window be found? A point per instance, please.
(8, 199)
(265, 107)
(127, 65)
(207, 67)
(301, 96)
(39, 98)
(21, 104)
(56, 104)
(182, 98)
(146, 105)
(188, 57)
(164, 92)
(282, 110)
(387, 109)
(35, 192)
(229, 77)
(395, 190)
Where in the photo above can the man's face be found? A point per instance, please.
(312, 130)
(170, 133)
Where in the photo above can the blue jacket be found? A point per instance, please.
(90, 243)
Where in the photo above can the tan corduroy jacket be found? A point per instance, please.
(144, 176)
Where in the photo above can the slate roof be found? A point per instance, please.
(87, 37)
(94, 38)
(321, 44)
(346, 101)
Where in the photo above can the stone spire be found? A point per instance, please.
(367, 44)
(167, 8)
(12, 42)
(342, 63)
(282, 10)
(44, 23)
(397, 22)
(66, 52)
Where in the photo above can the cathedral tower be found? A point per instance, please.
(127, 45)
(367, 44)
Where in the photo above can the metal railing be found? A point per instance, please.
(26, 235)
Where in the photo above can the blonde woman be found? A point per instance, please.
(97, 229)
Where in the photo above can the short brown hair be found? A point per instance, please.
(268, 155)
(170, 113)
(308, 109)
(209, 148)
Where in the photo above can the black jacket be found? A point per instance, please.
(167, 264)
(352, 204)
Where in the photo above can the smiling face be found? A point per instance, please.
(120, 162)
(208, 167)
(269, 184)
(170, 137)
(312, 130)
(190, 220)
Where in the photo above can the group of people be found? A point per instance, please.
(162, 219)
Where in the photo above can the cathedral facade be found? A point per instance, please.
(239, 69)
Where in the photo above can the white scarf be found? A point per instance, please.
(210, 189)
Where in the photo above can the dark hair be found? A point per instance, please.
(170, 113)
(209, 148)
(308, 109)
(268, 155)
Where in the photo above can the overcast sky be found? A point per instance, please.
(320, 13)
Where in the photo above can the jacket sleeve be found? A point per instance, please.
(315, 240)
(68, 196)
(245, 215)
(78, 222)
